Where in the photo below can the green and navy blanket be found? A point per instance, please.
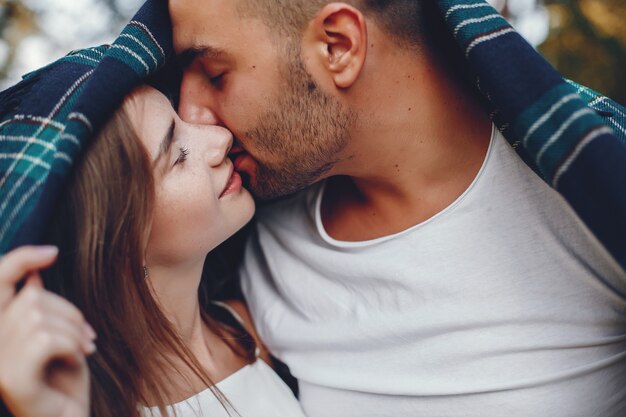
(49, 118)
(574, 137)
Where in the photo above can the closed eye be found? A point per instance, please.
(182, 156)
(216, 81)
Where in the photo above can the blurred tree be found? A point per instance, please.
(587, 43)
(17, 21)
(587, 39)
(35, 32)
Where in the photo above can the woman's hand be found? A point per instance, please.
(44, 342)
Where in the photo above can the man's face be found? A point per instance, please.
(254, 83)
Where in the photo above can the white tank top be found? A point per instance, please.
(503, 304)
(253, 391)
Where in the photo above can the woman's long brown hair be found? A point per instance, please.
(101, 227)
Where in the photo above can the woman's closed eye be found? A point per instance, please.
(182, 156)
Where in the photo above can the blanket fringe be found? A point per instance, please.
(11, 98)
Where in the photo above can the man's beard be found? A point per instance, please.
(302, 134)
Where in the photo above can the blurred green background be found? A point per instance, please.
(587, 43)
(584, 39)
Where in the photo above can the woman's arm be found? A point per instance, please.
(43, 370)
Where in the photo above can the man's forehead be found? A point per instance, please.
(202, 14)
(208, 51)
(199, 25)
(198, 44)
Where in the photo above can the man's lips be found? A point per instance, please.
(236, 149)
(242, 160)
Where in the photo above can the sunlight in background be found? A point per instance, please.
(584, 39)
(529, 17)
(64, 25)
(61, 26)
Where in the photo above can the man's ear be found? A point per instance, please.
(338, 35)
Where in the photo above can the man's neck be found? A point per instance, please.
(409, 160)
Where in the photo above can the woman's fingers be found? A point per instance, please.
(38, 310)
(47, 354)
(20, 262)
(32, 340)
(44, 341)
(52, 347)
(60, 307)
(58, 325)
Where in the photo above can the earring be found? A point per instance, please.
(145, 272)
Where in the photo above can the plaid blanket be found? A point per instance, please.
(574, 137)
(52, 115)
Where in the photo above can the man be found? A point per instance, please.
(432, 273)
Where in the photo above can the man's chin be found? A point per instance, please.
(260, 181)
(272, 186)
(260, 188)
(267, 182)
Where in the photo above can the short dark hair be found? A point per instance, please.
(416, 25)
(406, 21)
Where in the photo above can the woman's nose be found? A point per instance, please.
(197, 114)
(221, 141)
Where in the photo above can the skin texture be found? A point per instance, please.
(189, 179)
(293, 130)
(412, 142)
(191, 217)
(301, 164)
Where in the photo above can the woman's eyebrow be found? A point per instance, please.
(166, 143)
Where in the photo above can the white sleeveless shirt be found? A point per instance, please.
(253, 391)
(503, 304)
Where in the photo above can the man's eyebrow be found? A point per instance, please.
(166, 143)
(189, 55)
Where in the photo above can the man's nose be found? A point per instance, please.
(196, 103)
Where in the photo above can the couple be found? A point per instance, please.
(431, 273)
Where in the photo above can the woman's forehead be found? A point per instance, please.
(151, 115)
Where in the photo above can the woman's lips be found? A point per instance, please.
(233, 185)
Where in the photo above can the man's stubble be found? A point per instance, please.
(301, 136)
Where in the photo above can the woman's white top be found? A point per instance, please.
(253, 391)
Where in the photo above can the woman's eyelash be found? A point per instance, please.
(182, 157)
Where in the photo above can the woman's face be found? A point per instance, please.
(200, 201)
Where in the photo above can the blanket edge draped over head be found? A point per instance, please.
(573, 137)
(50, 117)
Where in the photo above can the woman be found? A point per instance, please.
(131, 204)
(148, 201)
